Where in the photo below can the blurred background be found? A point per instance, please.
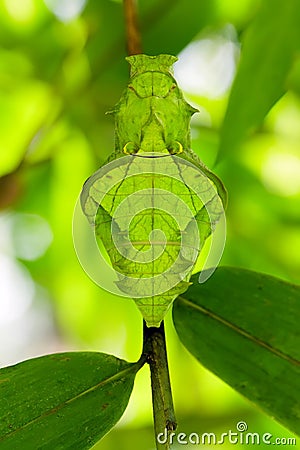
(61, 68)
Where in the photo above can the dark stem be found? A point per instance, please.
(163, 409)
(133, 37)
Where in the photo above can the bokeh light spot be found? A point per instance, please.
(16, 290)
(207, 66)
(65, 10)
(281, 173)
(20, 11)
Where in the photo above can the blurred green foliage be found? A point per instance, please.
(61, 68)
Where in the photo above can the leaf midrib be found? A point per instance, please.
(240, 331)
(110, 379)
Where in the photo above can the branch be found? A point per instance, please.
(163, 409)
(133, 37)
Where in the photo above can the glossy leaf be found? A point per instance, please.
(244, 327)
(64, 400)
(268, 53)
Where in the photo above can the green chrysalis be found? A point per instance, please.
(156, 206)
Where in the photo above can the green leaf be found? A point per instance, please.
(244, 327)
(64, 400)
(267, 56)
